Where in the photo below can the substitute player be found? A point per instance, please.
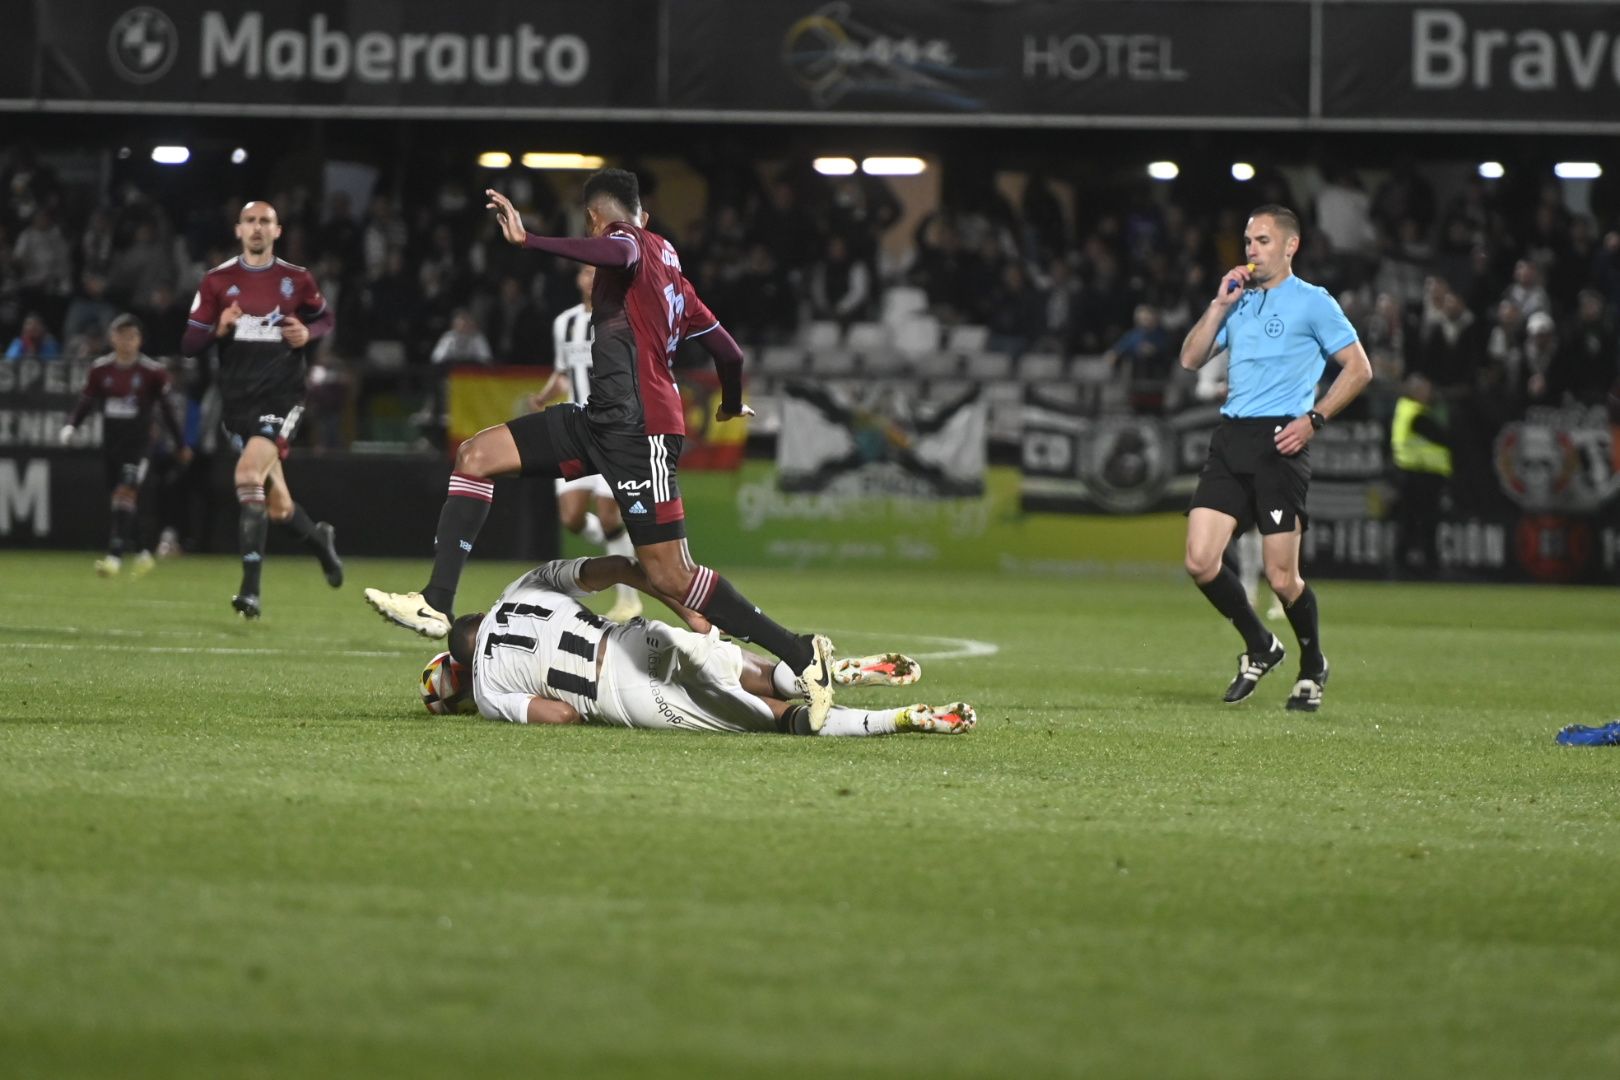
(1280, 331)
(631, 431)
(261, 313)
(539, 657)
(126, 385)
(571, 335)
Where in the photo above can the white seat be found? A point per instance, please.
(783, 360)
(901, 302)
(385, 357)
(918, 336)
(1040, 367)
(968, 339)
(1091, 369)
(832, 362)
(885, 362)
(987, 366)
(822, 334)
(867, 337)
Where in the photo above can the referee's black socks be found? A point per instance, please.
(1225, 591)
(1302, 617)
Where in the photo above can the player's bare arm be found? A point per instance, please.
(545, 711)
(1355, 374)
(1199, 344)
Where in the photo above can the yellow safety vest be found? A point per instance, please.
(1414, 453)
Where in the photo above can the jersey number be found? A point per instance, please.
(675, 305)
(515, 641)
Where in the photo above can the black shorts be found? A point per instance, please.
(640, 468)
(1246, 476)
(265, 418)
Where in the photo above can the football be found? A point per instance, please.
(446, 687)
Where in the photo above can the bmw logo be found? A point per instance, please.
(1274, 327)
(143, 44)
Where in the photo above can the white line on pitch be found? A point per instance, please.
(957, 648)
(212, 650)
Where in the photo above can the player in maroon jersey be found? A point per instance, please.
(126, 385)
(630, 431)
(261, 313)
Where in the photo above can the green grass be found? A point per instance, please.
(245, 850)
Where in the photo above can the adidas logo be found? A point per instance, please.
(637, 508)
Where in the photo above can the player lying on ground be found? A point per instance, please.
(539, 657)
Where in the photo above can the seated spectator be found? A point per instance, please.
(1143, 351)
(145, 263)
(1541, 360)
(1453, 340)
(463, 343)
(1526, 289)
(1017, 312)
(840, 285)
(1587, 357)
(34, 342)
(1506, 373)
(44, 262)
(519, 332)
(89, 312)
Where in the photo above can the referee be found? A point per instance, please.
(1280, 331)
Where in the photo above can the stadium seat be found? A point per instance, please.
(864, 337)
(968, 339)
(917, 336)
(832, 362)
(1040, 367)
(822, 334)
(987, 366)
(783, 360)
(385, 357)
(885, 362)
(1091, 369)
(901, 302)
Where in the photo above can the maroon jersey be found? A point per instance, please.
(641, 314)
(127, 395)
(255, 364)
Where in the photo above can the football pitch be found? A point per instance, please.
(234, 849)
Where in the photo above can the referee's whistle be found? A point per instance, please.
(1238, 285)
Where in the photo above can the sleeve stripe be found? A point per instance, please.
(705, 330)
(626, 237)
(205, 326)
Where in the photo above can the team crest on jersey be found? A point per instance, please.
(233, 291)
(1274, 327)
(287, 287)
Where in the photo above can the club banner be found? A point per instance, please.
(410, 54)
(36, 399)
(881, 444)
(970, 57)
(1540, 63)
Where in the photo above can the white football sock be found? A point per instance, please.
(786, 681)
(621, 545)
(591, 531)
(842, 721)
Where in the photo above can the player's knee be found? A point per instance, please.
(476, 458)
(572, 519)
(1202, 567)
(1285, 581)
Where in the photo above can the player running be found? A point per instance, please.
(126, 385)
(631, 431)
(539, 657)
(261, 313)
(571, 335)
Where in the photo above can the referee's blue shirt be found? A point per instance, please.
(1280, 339)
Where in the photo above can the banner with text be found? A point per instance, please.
(353, 53)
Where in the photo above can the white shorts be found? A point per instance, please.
(596, 484)
(660, 676)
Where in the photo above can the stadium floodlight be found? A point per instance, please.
(238, 156)
(893, 166)
(1577, 170)
(1242, 171)
(495, 159)
(1163, 170)
(534, 160)
(1491, 170)
(171, 155)
(834, 166)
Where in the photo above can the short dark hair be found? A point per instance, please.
(1281, 214)
(121, 321)
(464, 637)
(620, 185)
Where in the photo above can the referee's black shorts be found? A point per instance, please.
(1246, 476)
(640, 468)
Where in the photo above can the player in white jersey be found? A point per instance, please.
(540, 657)
(571, 337)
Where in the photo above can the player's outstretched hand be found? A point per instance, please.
(227, 319)
(294, 333)
(722, 415)
(506, 214)
(66, 435)
(1292, 438)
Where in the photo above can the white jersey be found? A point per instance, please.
(537, 641)
(571, 336)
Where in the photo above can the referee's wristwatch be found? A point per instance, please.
(1318, 421)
